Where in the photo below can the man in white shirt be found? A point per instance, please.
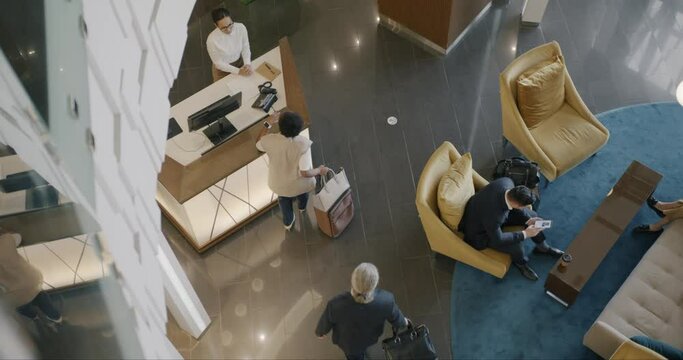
(228, 46)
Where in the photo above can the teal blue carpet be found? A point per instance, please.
(512, 318)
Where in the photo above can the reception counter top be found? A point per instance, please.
(187, 146)
(208, 191)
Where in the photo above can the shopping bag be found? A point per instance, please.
(333, 204)
(332, 190)
(411, 343)
(335, 220)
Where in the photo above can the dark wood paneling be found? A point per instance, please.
(293, 89)
(440, 21)
(463, 13)
(429, 18)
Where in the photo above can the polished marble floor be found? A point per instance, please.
(265, 288)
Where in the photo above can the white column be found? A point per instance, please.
(533, 11)
(181, 300)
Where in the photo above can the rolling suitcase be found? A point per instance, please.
(333, 204)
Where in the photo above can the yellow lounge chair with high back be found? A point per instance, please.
(564, 139)
(441, 239)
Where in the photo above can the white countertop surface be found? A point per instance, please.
(189, 146)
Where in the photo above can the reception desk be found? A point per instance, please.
(209, 191)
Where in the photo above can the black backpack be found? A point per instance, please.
(520, 170)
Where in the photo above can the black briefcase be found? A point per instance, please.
(411, 343)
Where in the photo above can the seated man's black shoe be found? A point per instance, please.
(645, 229)
(550, 251)
(651, 202)
(527, 271)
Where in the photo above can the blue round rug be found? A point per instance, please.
(513, 317)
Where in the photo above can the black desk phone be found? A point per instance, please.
(267, 97)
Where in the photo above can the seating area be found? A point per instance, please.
(551, 124)
(544, 117)
(649, 303)
(442, 239)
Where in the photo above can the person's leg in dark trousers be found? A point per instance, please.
(28, 310)
(286, 204)
(516, 252)
(518, 217)
(44, 303)
(303, 201)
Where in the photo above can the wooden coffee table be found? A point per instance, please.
(601, 232)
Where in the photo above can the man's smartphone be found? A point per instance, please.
(543, 224)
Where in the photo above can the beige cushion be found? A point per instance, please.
(540, 91)
(455, 188)
(567, 138)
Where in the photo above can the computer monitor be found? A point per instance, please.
(214, 111)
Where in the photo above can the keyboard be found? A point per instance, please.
(220, 131)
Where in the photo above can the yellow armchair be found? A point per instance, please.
(441, 239)
(563, 140)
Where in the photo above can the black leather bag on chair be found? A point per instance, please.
(520, 170)
(411, 343)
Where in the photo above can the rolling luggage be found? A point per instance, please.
(333, 204)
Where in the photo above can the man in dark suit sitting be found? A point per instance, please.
(499, 204)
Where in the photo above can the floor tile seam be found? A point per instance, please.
(431, 128)
(436, 287)
(237, 261)
(353, 168)
(398, 203)
(493, 149)
(381, 168)
(241, 232)
(407, 152)
(308, 268)
(418, 257)
(566, 25)
(451, 105)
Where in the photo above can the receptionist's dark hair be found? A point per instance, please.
(217, 14)
(291, 124)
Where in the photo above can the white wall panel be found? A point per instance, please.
(134, 48)
(142, 11)
(104, 41)
(154, 101)
(169, 14)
